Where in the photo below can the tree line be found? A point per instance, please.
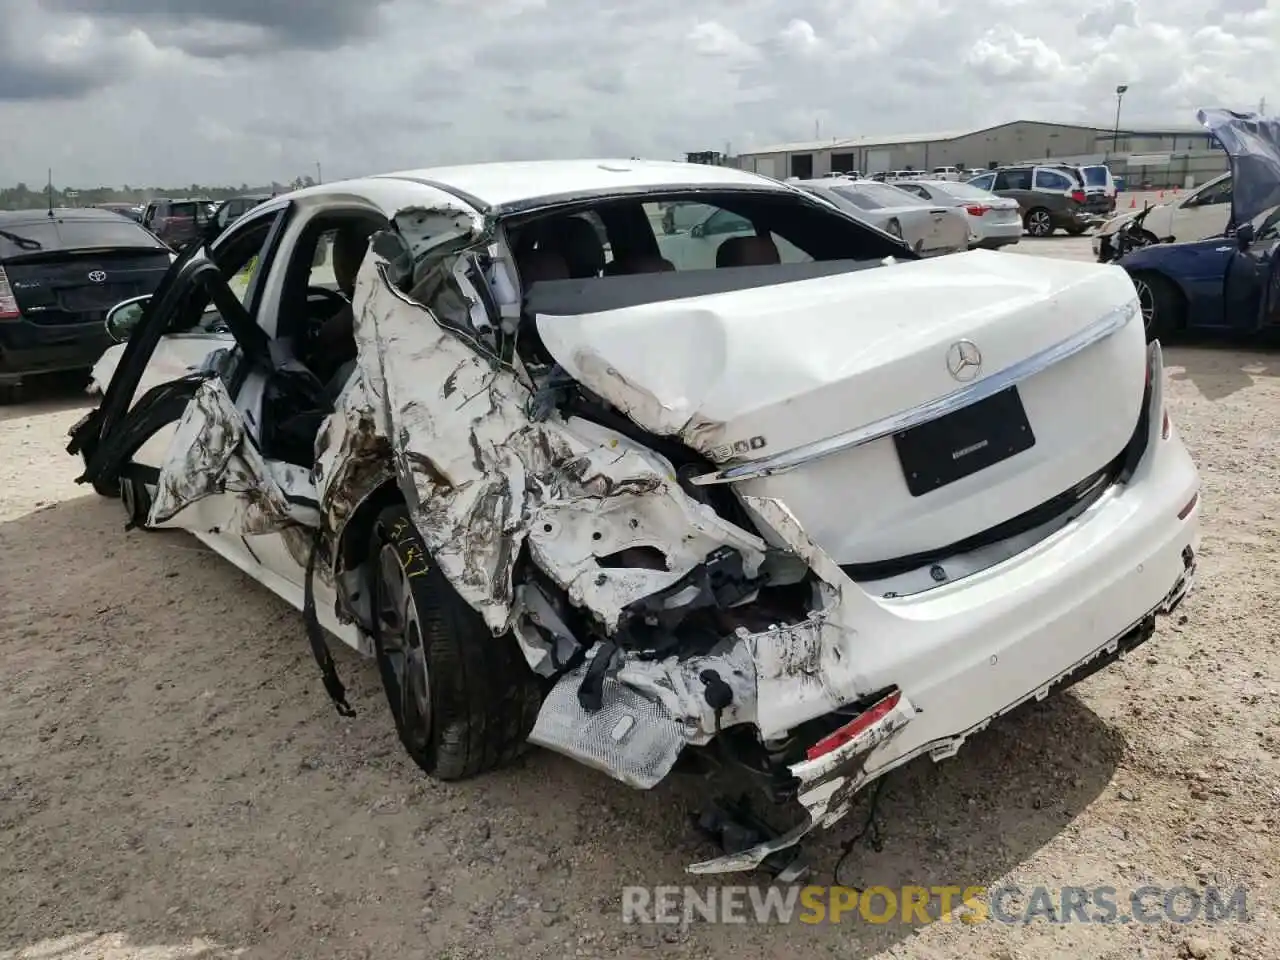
(27, 197)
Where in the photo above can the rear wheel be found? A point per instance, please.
(1037, 222)
(10, 393)
(1163, 306)
(893, 228)
(463, 700)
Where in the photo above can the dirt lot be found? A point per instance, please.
(174, 783)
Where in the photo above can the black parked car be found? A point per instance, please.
(60, 272)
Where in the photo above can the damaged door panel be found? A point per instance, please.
(214, 479)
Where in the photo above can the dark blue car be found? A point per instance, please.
(1230, 282)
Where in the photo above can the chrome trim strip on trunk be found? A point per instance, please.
(966, 396)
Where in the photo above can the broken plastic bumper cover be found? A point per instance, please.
(829, 781)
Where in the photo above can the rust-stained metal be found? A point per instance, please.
(210, 454)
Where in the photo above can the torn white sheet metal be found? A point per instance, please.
(425, 229)
(481, 477)
(829, 784)
(211, 454)
(352, 458)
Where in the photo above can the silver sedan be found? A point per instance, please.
(929, 229)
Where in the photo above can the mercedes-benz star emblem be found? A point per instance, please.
(964, 360)
(97, 276)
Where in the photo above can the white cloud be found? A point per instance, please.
(172, 92)
(799, 37)
(713, 39)
(1003, 54)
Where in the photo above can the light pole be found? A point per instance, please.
(1115, 135)
(319, 179)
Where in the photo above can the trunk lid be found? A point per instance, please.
(801, 367)
(71, 287)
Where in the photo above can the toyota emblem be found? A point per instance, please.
(964, 360)
(97, 276)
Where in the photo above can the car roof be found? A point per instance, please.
(8, 217)
(505, 186)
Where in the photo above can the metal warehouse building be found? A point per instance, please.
(1013, 142)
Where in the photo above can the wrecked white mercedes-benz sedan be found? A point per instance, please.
(771, 486)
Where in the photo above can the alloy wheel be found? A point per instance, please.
(400, 630)
(1038, 224)
(1146, 302)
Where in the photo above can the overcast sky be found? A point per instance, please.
(225, 91)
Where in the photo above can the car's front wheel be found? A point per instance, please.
(463, 701)
(1038, 222)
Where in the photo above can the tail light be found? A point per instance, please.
(857, 725)
(8, 302)
(1077, 196)
(976, 210)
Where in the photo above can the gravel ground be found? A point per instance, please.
(174, 783)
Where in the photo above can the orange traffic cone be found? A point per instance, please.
(1133, 202)
(1161, 194)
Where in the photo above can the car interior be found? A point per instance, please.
(590, 256)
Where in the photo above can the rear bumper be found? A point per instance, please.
(29, 348)
(993, 236)
(972, 651)
(1077, 218)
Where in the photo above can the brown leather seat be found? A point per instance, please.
(576, 240)
(535, 265)
(641, 263)
(747, 252)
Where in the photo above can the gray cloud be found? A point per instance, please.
(305, 24)
(36, 80)
(1101, 20)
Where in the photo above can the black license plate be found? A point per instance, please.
(950, 448)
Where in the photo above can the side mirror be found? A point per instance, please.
(1244, 236)
(698, 230)
(125, 316)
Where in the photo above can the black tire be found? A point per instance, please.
(1163, 306)
(1038, 222)
(463, 700)
(109, 490)
(10, 393)
(136, 501)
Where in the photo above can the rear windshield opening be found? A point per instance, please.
(874, 196)
(627, 251)
(36, 237)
